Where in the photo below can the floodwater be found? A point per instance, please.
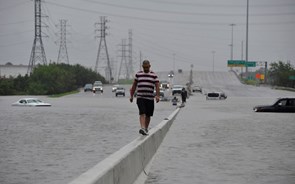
(225, 142)
(222, 142)
(53, 145)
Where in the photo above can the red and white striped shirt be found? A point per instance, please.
(146, 84)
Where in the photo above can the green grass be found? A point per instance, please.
(64, 94)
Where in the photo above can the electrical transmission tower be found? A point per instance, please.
(63, 52)
(124, 69)
(38, 52)
(103, 47)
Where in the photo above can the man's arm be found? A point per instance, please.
(157, 92)
(132, 90)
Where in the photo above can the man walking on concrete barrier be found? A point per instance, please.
(145, 82)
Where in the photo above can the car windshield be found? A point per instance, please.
(33, 101)
(276, 101)
(177, 86)
(97, 82)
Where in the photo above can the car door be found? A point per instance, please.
(281, 105)
(290, 105)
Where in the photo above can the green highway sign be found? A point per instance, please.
(251, 64)
(292, 77)
(240, 63)
(235, 63)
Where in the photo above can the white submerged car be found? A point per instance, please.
(31, 102)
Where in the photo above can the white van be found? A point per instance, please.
(216, 96)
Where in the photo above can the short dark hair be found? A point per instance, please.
(146, 62)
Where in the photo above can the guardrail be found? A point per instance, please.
(131, 163)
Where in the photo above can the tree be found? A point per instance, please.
(279, 74)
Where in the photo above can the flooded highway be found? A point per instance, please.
(209, 142)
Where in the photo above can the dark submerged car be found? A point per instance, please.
(88, 87)
(281, 105)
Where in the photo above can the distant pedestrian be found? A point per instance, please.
(183, 95)
(145, 82)
(174, 101)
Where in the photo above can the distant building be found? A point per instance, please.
(10, 70)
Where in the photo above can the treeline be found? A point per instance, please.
(49, 79)
(281, 74)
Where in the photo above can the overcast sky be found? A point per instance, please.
(183, 32)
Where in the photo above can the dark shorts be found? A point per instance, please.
(145, 106)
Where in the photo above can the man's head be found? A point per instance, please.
(146, 66)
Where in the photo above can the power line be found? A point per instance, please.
(13, 5)
(190, 13)
(158, 20)
(217, 5)
(18, 22)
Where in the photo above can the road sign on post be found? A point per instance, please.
(235, 63)
(240, 63)
(250, 64)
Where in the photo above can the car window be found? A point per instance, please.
(291, 102)
(213, 95)
(23, 101)
(283, 102)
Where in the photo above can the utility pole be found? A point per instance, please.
(232, 41)
(140, 60)
(173, 63)
(213, 54)
(38, 53)
(103, 46)
(242, 53)
(247, 23)
(63, 51)
(130, 65)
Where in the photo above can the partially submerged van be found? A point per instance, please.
(216, 96)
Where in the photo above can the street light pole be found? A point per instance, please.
(173, 62)
(247, 22)
(232, 41)
(213, 53)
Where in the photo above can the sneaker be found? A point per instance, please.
(143, 131)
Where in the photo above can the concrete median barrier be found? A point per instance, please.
(131, 163)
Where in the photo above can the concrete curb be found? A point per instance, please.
(131, 163)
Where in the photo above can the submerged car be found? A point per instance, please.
(88, 87)
(31, 102)
(280, 105)
(216, 96)
(176, 89)
(197, 89)
(114, 88)
(97, 86)
(163, 97)
(120, 91)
